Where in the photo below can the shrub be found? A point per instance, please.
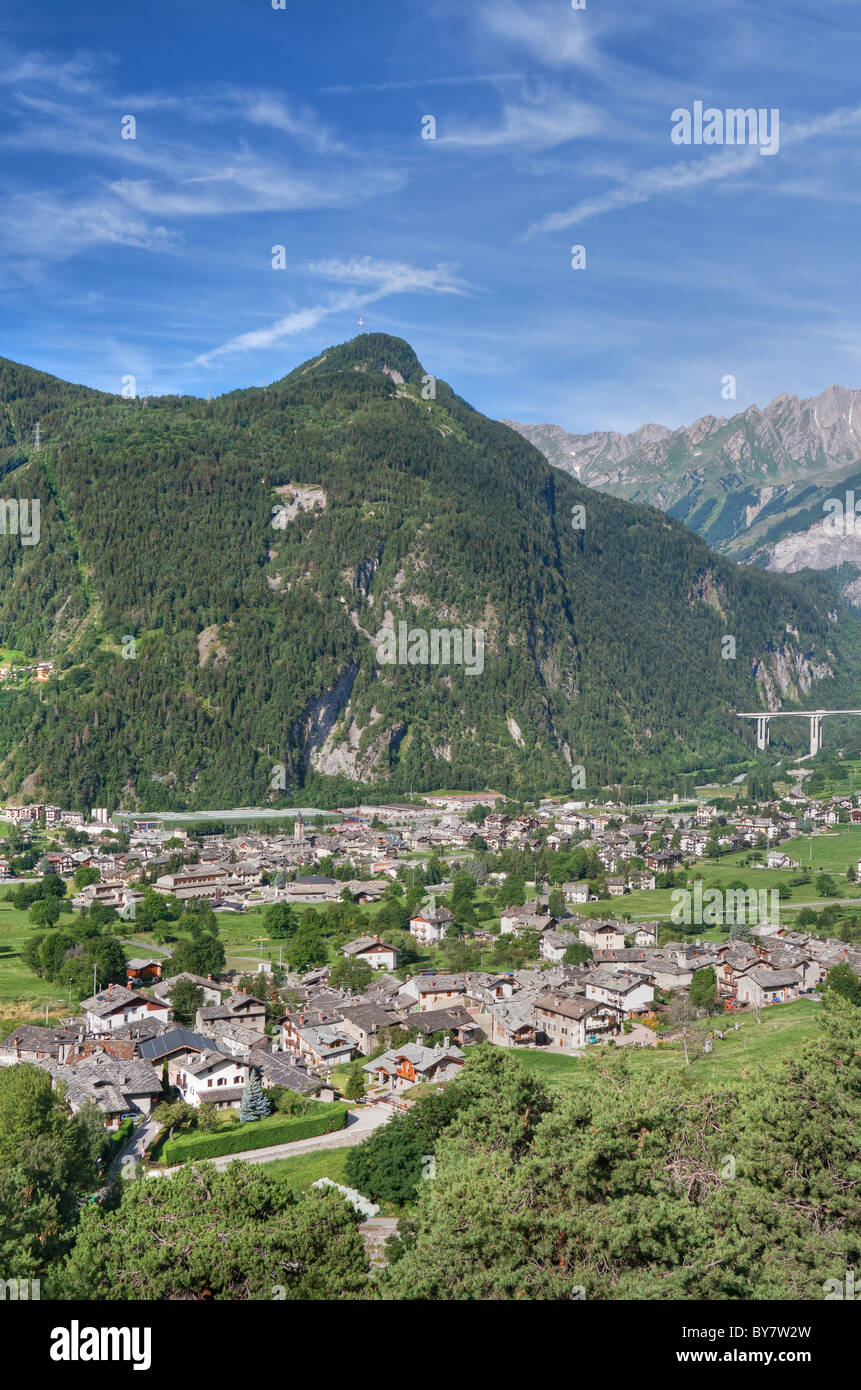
(326, 1119)
(121, 1137)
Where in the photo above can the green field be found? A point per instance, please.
(23, 995)
(755, 1048)
(833, 850)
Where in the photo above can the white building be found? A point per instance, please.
(430, 924)
(630, 993)
(577, 892)
(378, 955)
(212, 1079)
(115, 1006)
(606, 935)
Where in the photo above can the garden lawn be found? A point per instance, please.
(302, 1171)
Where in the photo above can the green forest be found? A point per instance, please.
(625, 1186)
(206, 658)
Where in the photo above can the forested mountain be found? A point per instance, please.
(760, 486)
(254, 547)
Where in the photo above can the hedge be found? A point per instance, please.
(257, 1134)
(121, 1136)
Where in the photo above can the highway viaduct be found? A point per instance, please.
(815, 716)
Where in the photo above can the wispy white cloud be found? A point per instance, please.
(373, 280)
(553, 33)
(409, 84)
(396, 275)
(648, 184)
(80, 74)
(303, 124)
(541, 122)
(250, 184)
(41, 224)
(666, 179)
(138, 192)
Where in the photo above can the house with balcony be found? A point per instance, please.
(430, 924)
(375, 952)
(433, 991)
(319, 1044)
(142, 971)
(512, 1024)
(574, 1020)
(607, 935)
(412, 1063)
(214, 1078)
(760, 986)
(627, 992)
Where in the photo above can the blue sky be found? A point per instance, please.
(301, 127)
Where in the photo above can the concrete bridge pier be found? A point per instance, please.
(762, 731)
(815, 734)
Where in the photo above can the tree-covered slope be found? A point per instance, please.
(255, 546)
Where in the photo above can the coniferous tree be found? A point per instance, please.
(355, 1086)
(254, 1105)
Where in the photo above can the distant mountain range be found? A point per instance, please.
(762, 486)
(240, 597)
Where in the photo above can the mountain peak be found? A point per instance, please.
(753, 485)
(381, 352)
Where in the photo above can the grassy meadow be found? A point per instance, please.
(754, 1048)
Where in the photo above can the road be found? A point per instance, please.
(145, 946)
(360, 1123)
(129, 1157)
